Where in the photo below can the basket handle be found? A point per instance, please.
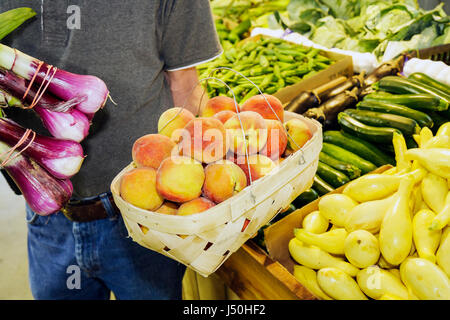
(302, 158)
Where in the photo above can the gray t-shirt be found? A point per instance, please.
(128, 44)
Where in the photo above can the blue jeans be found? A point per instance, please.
(70, 260)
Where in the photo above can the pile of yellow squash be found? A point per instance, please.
(387, 235)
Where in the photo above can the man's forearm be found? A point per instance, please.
(182, 83)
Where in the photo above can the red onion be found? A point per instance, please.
(64, 85)
(44, 193)
(72, 125)
(18, 87)
(61, 158)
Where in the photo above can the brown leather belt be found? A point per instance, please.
(87, 212)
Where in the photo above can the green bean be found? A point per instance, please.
(284, 58)
(271, 90)
(263, 61)
(266, 81)
(249, 94)
(229, 56)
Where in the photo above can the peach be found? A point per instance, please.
(276, 140)
(138, 187)
(255, 132)
(204, 139)
(168, 208)
(151, 149)
(180, 179)
(195, 206)
(173, 119)
(260, 166)
(298, 134)
(217, 104)
(259, 104)
(223, 179)
(223, 116)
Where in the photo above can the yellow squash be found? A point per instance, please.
(331, 241)
(435, 160)
(308, 278)
(442, 219)
(315, 222)
(383, 263)
(444, 130)
(439, 141)
(335, 207)
(418, 202)
(390, 296)
(403, 165)
(395, 272)
(339, 285)
(368, 215)
(425, 135)
(396, 227)
(434, 189)
(425, 240)
(378, 186)
(425, 279)
(315, 258)
(362, 249)
(443, 253)
(375, 282)
(390, 171)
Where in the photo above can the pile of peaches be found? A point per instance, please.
(194, 163)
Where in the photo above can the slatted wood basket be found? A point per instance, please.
(203, 241)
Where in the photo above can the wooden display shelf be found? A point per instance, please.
(253, 275)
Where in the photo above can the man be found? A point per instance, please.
(146, 52)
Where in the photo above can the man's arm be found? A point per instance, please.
(182, 83)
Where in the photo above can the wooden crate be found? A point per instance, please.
(254, 274)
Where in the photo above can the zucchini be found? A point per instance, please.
(348, 169)
(417, 101)
(332, 176)
(411, 143)
(439, 119)
(366, 132)
(283, 214)
(306, 197)
(445, 114)
(423, 119)
(321, 186)
(379, 119)
(396, 84)
(360, 147)
(425, 79)
(389, 148)
(346, 156)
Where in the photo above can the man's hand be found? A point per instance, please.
(182, 84)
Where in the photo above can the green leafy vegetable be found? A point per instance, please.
(366, 25)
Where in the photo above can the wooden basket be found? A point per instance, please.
(203, 241)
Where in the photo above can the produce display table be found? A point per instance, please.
(253, 275)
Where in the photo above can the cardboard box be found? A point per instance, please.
(254, 274)
(343, 66)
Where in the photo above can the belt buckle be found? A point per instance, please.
(67, 213)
